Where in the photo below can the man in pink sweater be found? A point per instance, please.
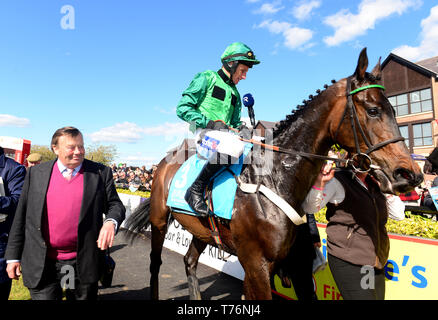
(59, 226)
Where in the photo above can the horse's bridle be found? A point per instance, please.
(361, 160)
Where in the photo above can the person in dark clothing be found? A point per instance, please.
(428, 201)
(298, 265)
(431, 167)
(59, 229)
(12, 177)
(431, 163)
(357, 240)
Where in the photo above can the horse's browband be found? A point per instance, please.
(366, 87)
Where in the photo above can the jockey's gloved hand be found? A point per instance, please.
(244, 132)
(217, 125)
(210, 125)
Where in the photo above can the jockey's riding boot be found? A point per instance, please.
(195, 194)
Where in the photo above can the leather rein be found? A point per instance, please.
(358, 160)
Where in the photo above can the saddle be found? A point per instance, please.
(223, 185)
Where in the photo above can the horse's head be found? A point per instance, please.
(364, 122)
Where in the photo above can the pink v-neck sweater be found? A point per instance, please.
(60, 228)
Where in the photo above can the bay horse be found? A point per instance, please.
(353, 113)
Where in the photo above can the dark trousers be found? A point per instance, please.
(5, 290)
(62, 274)
(5, 282)
(356, 283)
(298, 264)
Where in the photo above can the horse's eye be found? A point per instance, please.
(373, 112)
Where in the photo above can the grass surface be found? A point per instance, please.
(19, 291)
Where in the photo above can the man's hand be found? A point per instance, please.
(244, 132)
(106, 235)
(14, 270)
(217, 125)
(327, 173)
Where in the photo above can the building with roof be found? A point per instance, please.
(412, 89)
(262, 126)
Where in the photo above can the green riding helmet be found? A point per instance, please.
(236, 53)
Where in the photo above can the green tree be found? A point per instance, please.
(101, 154)
(44, 151)
(95, 152)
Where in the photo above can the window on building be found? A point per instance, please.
(413, 102)
(422, 134)
(404, 130)
(400, 104)
(417, 135)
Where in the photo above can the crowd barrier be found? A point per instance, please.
(411, 272)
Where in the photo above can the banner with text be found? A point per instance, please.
(411, 272)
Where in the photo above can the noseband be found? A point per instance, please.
(361, 157)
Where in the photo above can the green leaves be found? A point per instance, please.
(144, 194)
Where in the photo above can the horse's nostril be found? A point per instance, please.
(406, 179)
(418, 179)
(404, 173)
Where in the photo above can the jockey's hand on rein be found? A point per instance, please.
(217, 125)
(244, 132)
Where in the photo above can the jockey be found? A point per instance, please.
(212, 105)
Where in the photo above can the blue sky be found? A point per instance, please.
(116, 69)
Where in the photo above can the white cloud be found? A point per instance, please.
(274, 26)
(349, 26)
(120, 132)
(7, 120)
(429, 40)
(171, 111)
(297, 38)
(247, 120)
(168, 129)
(294, 37)
(131, 132)
(269, 8)
(304, 10)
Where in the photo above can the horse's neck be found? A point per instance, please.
(307, 132)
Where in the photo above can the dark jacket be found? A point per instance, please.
(428, 201)
(12, 174)
(356, 229)
(26, 241)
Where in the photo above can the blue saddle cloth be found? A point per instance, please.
(224, 186)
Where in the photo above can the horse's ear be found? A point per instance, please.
(362, 65)
(377, 71)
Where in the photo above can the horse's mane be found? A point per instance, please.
(298, 112)
(307, 104)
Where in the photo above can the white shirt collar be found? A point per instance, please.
(62, 168)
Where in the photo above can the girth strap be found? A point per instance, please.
(276, 199)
